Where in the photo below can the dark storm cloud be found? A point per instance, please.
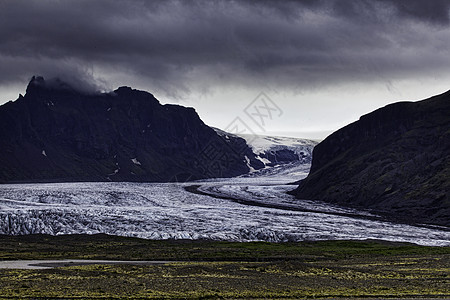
(436, 11)
(178, 46)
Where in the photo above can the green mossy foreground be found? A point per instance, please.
(225, 270)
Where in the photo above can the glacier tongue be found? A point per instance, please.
(168, 211)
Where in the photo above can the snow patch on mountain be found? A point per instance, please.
(249, 164)
(135, 161)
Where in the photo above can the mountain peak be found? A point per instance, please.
(60, 133)
(123, 90)
(38, 82)
(68, 83)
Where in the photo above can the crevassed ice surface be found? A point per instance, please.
(163, 211)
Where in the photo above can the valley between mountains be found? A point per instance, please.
(120, 163)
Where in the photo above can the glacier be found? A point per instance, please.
(253, 207)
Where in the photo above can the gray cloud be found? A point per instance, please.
(181, 46)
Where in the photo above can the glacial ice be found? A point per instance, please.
(168, 211)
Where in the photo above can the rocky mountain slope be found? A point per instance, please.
(395, 160)
(55, 133)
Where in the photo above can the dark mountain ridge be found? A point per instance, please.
(395, 160)
(56, 133)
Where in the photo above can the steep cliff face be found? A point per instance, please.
(395, 160)
(55, 133)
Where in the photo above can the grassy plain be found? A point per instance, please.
(216, 270)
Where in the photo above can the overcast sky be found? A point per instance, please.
(321, 63)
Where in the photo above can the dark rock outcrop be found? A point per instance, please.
(55, 133)
(282, 156)
(395, 160)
